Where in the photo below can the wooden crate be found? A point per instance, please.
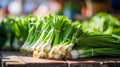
(17, 59)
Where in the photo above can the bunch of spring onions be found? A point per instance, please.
(51, 37)
(97, 45)
(96, 52)
(16, 31)
(101, 37)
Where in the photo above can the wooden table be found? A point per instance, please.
(17, 59)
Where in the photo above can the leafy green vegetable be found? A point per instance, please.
(102, 23)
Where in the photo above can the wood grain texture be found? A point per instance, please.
(92, 62)
(17, 59)
(9, 59)
(34, 62)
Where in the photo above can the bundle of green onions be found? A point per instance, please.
(97, 45)
(16, 31)
(95, 52)
(51, 37)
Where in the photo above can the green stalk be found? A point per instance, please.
(98, 52)
(46, 45)
(100, 41)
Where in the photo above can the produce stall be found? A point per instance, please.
(56, 41)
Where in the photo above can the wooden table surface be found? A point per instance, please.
(17, 59)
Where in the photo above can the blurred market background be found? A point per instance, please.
(74, 9)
